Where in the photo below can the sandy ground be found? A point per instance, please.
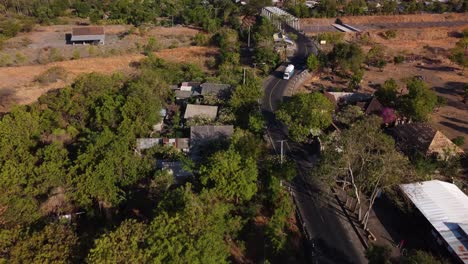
(17, 84)
(359, 20)
(36, 46)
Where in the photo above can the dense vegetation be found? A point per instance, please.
(333, 8)
(72, 155)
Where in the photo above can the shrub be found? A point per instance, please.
(200, 39)
(389, 34)
(173, 45)
(151, 46)
(76, 54)
(331, 37)
(92, 51)
(398, 59)
(55, 55)
(10, 28)
(459, 141)
(20, 58)
(5, 60)
(52, 75)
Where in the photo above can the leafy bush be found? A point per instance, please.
(201, 39)
(76, 54)
(5, 60)
(389, 34)
(398, 59)
(151, 46)
(52, 75)
(55, 55)
(20, 58)
(331, 37)
(459, 141)
(10, 28)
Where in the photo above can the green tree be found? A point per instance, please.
(419, 102)
(420, 256)
(305, 112)
(349, 114)
(230, 176)
(363, 160)
(387, 93)
(56, 243)
(376, 56)
(347, 56)
(376, 254)
(124, 245)
(188, 228)
(313, 62)
(276, 227)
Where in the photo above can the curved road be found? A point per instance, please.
(329, 241)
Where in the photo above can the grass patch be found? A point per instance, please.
(52, 75)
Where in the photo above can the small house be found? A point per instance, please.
(207, 111)
(421, 137)
(214, 89)
(176, 168)
(201, 136)
(181, 144)
(88, 35)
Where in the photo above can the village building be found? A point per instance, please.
(214, 89)
(420, 137)
(371, 107)
(88, 35)
(200, 136)
(182, 144)
(444, 210)
(207, 111)
(345, 98)
(176, 168)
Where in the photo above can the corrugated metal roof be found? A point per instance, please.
(445, 206)
(201, 111)
(81, 31)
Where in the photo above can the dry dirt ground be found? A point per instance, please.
(310, 25)
(426, 51)
(36, 46)
(17, 85)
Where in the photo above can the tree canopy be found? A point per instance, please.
(231, 177)
(365, 160)
(420, 100)
(305, 112)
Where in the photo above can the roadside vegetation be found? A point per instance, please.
(333, 8)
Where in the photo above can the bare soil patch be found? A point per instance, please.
(17, 85)
(48, 43)
(443, 78)
(416, 18)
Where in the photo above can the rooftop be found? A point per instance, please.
(200, 111)
(423, 138)
(213, 88)
(445, 206)
(86, 31)
(346, 98)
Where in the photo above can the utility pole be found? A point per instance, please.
(282, 152)
(244, 75)
(248, 39)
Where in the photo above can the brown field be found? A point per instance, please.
(428, 50)
(17, 85)
(35, 47)
(359, 20)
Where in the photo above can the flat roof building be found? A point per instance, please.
(90, 35)
(208, 111)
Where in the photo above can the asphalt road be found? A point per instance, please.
(330, 241)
